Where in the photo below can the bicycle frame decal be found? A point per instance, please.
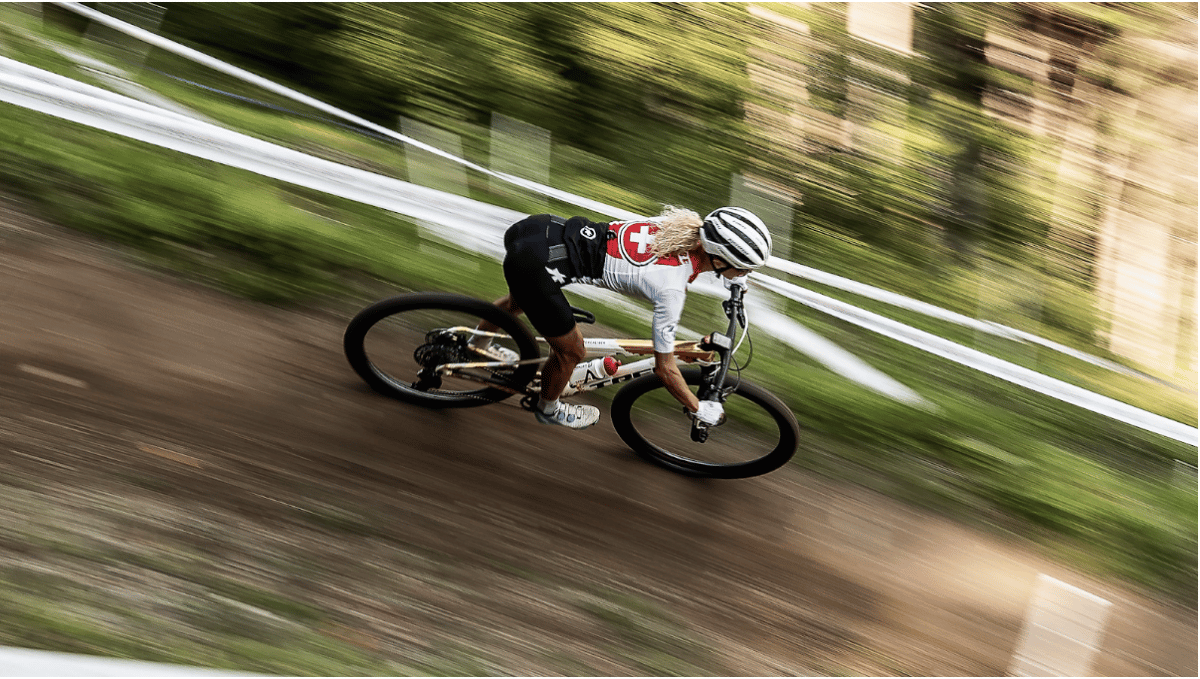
(624, 373)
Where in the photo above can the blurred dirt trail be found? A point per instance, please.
(170, 415)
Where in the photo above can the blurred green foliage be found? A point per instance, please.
(619, 80)
(657, 91)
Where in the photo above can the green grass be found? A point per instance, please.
(19, 32)
(52, 613)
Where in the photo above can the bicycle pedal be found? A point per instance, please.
(529, 402)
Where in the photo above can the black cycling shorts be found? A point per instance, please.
(535, 282)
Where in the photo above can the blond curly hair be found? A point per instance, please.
(678, 231)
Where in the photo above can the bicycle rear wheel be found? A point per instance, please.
(759, 434)
(396, 345)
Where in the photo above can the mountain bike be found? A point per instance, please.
(426, 348)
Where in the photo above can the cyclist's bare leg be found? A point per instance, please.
(507, 304)
(566, 351)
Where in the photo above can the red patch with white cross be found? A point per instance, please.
(633, 242)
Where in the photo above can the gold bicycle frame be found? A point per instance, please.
(685, 352)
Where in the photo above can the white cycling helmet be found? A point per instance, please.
(737, 236)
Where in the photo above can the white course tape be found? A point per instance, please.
(984, 363)
(760, 314)
(475, 223)
(21, 69)
(864, 290)
(831, 355)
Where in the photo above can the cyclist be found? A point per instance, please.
(653, 259)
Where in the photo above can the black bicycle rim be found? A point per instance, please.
(760, 433)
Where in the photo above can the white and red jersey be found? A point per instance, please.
(630, 268)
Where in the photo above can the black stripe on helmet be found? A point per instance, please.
(746, 238)
(713, 234)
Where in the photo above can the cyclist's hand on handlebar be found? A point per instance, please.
(710, 412)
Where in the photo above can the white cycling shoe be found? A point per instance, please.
(571, 416)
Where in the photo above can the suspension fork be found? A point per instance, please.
(712, 386)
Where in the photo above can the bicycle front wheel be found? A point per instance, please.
(397, 345)
(759, 434)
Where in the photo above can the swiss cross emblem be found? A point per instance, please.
(633, 243)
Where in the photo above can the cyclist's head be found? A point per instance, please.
(736, 236)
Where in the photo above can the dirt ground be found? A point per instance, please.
(182, 473)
